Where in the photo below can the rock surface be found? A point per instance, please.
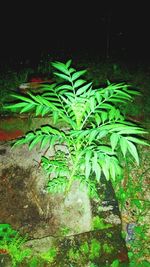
(51, 219)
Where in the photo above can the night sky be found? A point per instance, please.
(93, 29)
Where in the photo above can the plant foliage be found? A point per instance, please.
(95, 128)
(11, 243)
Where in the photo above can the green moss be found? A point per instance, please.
(11, 242)
(74, 254)
(84, 248)
(107, 248)
(6, 232)
(85, 252)
(99, 224)
(64, 231)
(95, 249)
(109, 235)
(49, 255)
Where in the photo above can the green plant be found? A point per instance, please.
(93, 265)
(33, 262)
(49, 255)
(11, 242)
(84, 248)
(99, 224)
(85, 252)
(107, 248)
(137, 255)
(95, 249)
(74, 254)
(64, 230)
(109, 235)
(115, 263)
(132, 195)
(94, 129)
(6, 232)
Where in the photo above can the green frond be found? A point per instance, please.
(124, 145)
(77, 74)
(96, 128)
(133, 151)
(114, 138)
(83, 90)
(57, 185)
(78, 83)
(68, 63)
(63, 76)
(61, 67)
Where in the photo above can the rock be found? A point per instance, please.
(52, 219)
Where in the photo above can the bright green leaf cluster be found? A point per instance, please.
(96, 128)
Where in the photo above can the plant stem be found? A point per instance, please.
(71, 178)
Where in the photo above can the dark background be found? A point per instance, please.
(104, 29)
